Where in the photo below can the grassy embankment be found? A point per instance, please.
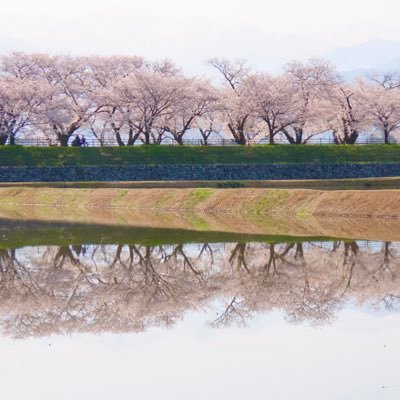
(298, 202)
(246, 211)
(203, 206)
(168, 155)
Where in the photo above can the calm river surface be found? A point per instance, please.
(95, 312)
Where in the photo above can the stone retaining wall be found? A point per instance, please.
(197, 172)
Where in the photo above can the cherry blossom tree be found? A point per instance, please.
(238, 110)
(140, 101)
(344, 113)
(382, 107)
(134, 100)
(195, 100)
(209, 124)
(20, 100)
(113, 120)
(273, 102)
(387, 80)
(71, 105)
(310, 83)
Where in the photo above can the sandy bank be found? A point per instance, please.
(296, 202)
(373, 215)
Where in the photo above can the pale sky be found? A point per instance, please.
(189, 32)
(354, 358)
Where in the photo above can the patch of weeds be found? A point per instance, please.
(198, 222)
(163, 200)
(304, 212)
(123, 192)
(197, 196)
(272, 199)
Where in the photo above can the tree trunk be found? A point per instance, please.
(299, 135)
(133, 136)
(179, 139)
(241, 140)
(157, 139)
(271, 138)
(238, 133)
(352, 138)
(386, 133)
(117, 131)
(299, 251)
(146, 137)
(288, 137)
(11, 142)
(335, 136)
(64, 139)
(118, 137)
(3, 140)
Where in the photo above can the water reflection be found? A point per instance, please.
(122, 288)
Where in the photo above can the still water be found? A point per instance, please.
(93, 312)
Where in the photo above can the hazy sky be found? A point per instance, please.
(354, 358)
(265, 32)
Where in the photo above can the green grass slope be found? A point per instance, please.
(168, 155)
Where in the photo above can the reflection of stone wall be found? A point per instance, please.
(197, 172)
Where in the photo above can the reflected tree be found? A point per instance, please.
(123, 288)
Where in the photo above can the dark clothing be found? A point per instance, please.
(76, 142)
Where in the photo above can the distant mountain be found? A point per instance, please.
(366, 58)
(10, 43)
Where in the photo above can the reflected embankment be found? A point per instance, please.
(387, 229)
(127, 281)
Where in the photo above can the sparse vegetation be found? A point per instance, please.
(296, 202)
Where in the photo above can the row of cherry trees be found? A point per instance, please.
(130, 100)
(51, 290)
